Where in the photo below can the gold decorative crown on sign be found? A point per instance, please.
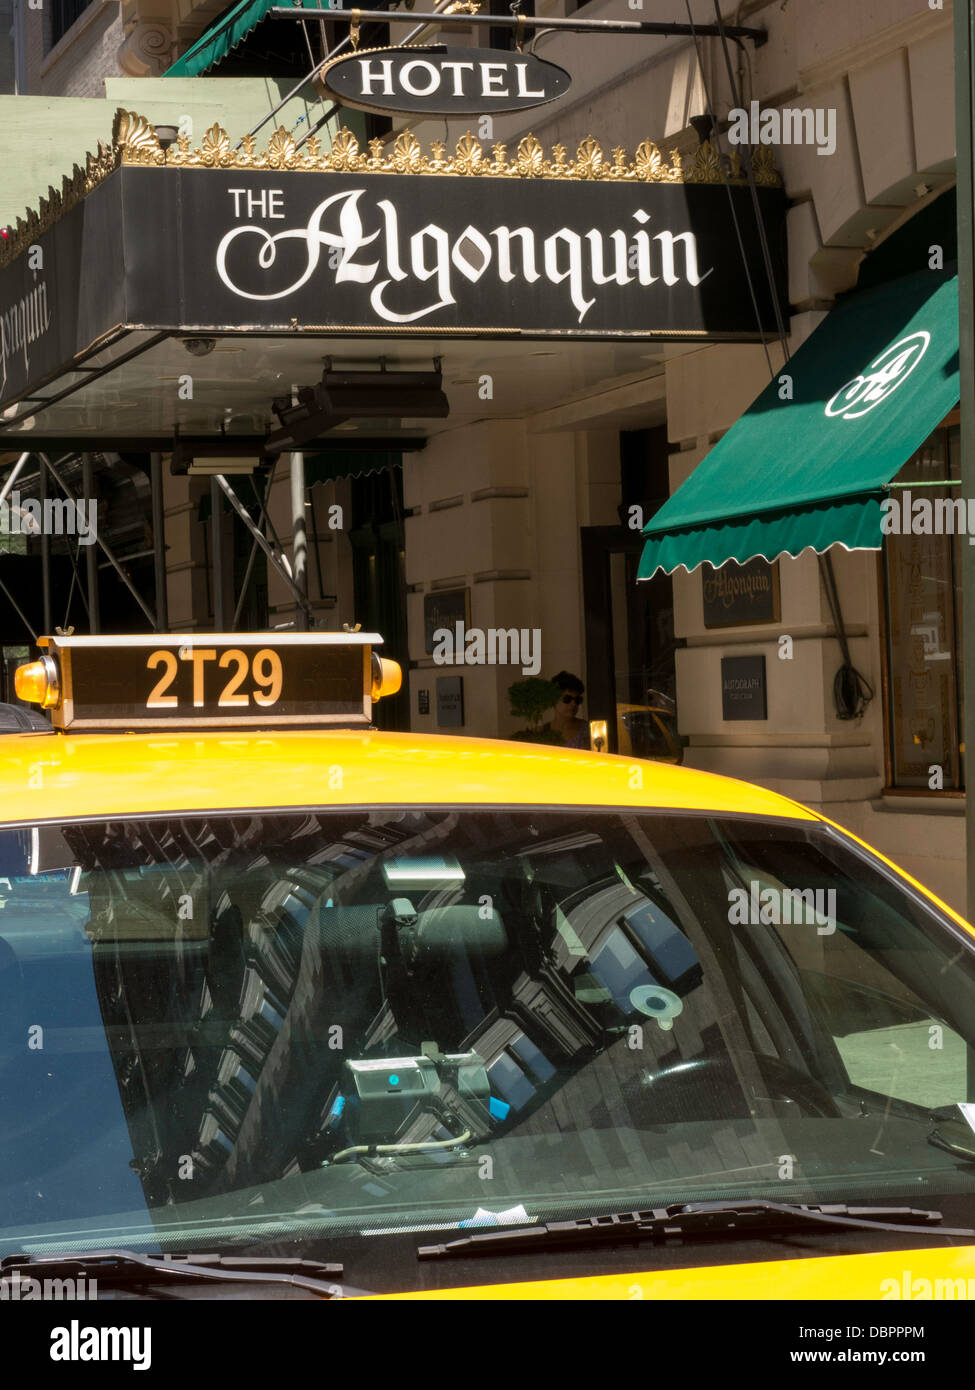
(134, 142)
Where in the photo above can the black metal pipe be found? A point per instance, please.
(216, 557)
(159, 541)
(651, 28)
(91, 555)
(45, 555)
(964, 35)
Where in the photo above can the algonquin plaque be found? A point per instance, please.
(740, 595)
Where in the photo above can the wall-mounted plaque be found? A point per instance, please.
(740, 595)
(743, 687)
(450, 702)
(445, 608)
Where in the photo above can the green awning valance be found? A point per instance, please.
(347, 463)
(867, 388)
(226, 34)
(328, 468)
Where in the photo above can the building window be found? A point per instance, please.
(8, 49)
(922, 582)
(63, 15)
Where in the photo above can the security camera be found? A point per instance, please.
(199, 347)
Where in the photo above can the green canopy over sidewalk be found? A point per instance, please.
(226, 34)
(873, 381)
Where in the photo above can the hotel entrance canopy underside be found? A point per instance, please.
(589, 268)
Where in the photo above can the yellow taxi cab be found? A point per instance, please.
(287, 1001)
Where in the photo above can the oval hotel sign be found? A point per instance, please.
(440, 81)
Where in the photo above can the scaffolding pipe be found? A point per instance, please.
(14, 474)
(260, 539)
(104, 545)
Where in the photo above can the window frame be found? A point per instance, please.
(890, 787)
(59, 11)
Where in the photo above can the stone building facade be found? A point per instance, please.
(542, 468)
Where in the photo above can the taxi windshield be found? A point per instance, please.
(308, 1025)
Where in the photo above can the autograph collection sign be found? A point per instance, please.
(360, 250)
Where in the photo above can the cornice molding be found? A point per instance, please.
(134, 143)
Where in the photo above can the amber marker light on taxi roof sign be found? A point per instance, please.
(37, 683)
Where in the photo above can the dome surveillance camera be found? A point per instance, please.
(199, 347)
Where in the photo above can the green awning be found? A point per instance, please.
(329, 467)
(227, 33)
(873, 381)
(347, 463)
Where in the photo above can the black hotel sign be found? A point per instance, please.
(229, 250)
(444, 81)
(446, 254)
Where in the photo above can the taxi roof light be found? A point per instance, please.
(387, 676)
(37, 683)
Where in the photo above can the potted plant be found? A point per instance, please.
(530, 699)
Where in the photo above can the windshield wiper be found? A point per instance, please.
(113, 1268)
(690, 1220)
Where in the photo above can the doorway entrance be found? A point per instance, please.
(630, 646)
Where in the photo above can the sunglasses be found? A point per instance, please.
(571, 699)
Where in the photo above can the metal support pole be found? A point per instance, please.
(279, 561)
(91, 555)
(159, 541)
(15, 472)
(216, 556)
(299, 540)
(965, 145)
(649, 28)
(104, 545)
(45, 556)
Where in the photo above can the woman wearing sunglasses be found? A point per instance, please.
(565, 720)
